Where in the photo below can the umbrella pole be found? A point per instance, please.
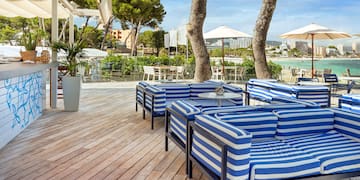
(312, 55)
(223, 58)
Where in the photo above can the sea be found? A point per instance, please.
(338, 66)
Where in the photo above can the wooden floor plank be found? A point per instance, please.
(106, 139)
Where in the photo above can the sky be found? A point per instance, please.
(340, 15)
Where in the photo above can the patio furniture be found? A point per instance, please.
(180, 72)
(216, 73)
(158, 97)
(348, 73)
(350, 102)
(335, 85)
(303, 79)
(303, 143)
(149, 71)
(219, 98)
(265, 91)
(140, 94)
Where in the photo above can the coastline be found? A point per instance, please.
(308, 59)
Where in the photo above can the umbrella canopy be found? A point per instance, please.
(224, 32)
(314, 31)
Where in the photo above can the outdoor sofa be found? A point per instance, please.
(265, 90)
(350, 102)
(283, 144)
(155, 98)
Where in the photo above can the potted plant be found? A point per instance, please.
(29, 41)
(71, 81)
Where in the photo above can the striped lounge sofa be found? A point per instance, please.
(283, 144)
(350, 102)
(155, 98)
(265, 90)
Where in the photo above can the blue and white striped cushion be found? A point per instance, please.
(209, 154)
(277, 160)
(337, 153)
(260, 93)
(159, 100)
(139, 93)
(234, 89)
(176, 91)
(347, 123)
(317, 94)
(293, 123)
(178, 127)
(186, 109)
(262, 125)
(198, 88)
(206, 103)
(351, 102)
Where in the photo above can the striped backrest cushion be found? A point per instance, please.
(347, 123)
(259, 93)
(234, 89)
(209, 154)
(281, 90)
(198, 88)
(316, 94)
(350, 102)
(159, 98)
(139, 92)
(143, 84)
(293, 123)
(176, 91)
(260, 124)
(330, 78)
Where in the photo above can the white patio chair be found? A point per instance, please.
(180, 72)
(149, 71)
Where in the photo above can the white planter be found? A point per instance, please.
(71, 89)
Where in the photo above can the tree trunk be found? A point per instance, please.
(259, 40)
(107, 26)
(195, 32)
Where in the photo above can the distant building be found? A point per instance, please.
(320, 51)
(284, 49)
(340, 48)
(240, 43)
(330, 51)
(356, 47)
(121, 35)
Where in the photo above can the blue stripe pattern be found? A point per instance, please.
(347, 123)
(293, 123)
(198, 88)
(159, 99)
(234, 89)
(261, 125)
(277, 160)
(337, 153)
(175, 91)
(350, 102)
(139, 93)
(209, 154)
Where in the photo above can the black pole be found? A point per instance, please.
(223, 58)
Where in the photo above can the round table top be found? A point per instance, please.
(213, 95)
(311, 83)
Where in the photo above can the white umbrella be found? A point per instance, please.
(314, 31)
(224, 32)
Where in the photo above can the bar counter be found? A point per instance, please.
(22, 97)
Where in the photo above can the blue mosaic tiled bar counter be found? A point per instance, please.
(22, 97)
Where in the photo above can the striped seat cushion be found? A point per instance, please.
(277, 160)
(176, 91)
(209, 154)
(280, 107)
(337, 153)
(262, 125)
(292, 123)
(139, 93)
(347, 123)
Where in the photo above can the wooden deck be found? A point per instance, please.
(106, 139)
